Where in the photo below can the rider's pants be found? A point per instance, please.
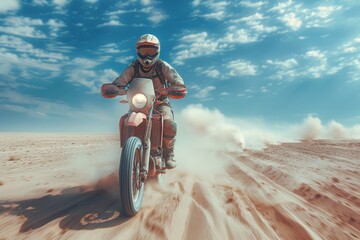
(169, 127)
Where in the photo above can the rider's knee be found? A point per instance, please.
(169, 128)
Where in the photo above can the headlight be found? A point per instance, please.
(139, 100)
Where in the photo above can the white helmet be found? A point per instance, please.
(148, 50)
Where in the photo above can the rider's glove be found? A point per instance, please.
(110, 90)
(174, 91)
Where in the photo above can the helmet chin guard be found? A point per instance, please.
(148, 50)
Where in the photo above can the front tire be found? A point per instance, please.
(131, 186)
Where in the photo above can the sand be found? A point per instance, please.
(64, 186)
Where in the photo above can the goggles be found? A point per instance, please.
(147, 52)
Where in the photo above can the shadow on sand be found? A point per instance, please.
(78, 209)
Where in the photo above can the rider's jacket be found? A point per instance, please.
(169, 76)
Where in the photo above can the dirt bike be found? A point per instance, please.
(141, 135)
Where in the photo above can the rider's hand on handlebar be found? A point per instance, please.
(174, 91)
(109, 90)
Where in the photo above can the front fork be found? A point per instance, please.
(132, 122)
(147, 147)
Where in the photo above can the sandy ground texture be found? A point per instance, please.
(60, 186)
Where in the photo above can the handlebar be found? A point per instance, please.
(176, 91)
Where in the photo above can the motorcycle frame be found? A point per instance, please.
(149, 165)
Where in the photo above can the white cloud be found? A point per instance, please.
(153, 13)
(59, 47)
(40, 2)
(325, 11)
(21, 21)
(241, 67)
(316, 54)
(84, 63)
(17, 55)
(195, 87)
(282, 7)
(255, 23)
(289, 63)
(252, 4)
(21, 59)
(239, 36)
(26, 61)
(23, 31)
(319, 16)
(91, 1)
(110, 48)
(349, 49)
(355, 63)
(296, 16)
(15, 43)
(9, 5)
(108, 75)
(263, 29)
(196, 2)
(19, 45)
(211, 72)
(55, 26)
(91, 79)
(292, 21)
(252, 19)
(195, 37)
(216, 5)
(157, 16)
(215, 9)
(125, 60)
(112, 23)
(196, 45)
(83, 77)
(146, 2)
(204, 93)
(23, 26)
(60, 3)
(219, 15)
(200, 44)
(318, 65)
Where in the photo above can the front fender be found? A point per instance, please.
(135, 119)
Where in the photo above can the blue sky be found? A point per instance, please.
(279, 61)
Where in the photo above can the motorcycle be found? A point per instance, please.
(141, 135)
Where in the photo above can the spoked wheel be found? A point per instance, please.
(131, 186)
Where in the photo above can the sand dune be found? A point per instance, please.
(65, 187)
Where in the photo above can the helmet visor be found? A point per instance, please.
(147, 52)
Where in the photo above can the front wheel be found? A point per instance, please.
(131, 186)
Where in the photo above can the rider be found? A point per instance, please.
(149, 65)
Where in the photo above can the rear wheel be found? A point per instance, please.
(131, 186)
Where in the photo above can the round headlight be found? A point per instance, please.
(139, 100)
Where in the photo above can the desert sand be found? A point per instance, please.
(64, 186)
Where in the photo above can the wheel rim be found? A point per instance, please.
(136, 182)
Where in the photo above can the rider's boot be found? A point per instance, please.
(168, 146)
